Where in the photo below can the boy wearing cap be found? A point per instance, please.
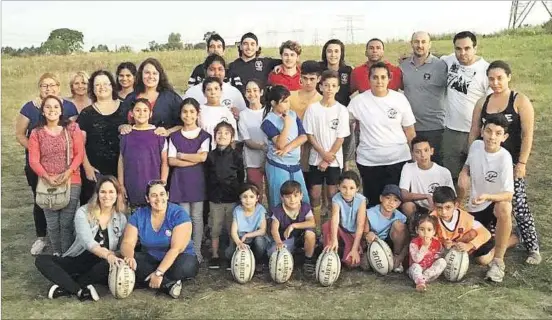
(385, 222)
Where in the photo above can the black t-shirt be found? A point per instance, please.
(240, 72)
(102, 138)
(102, 237)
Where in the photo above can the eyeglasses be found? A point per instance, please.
(48, 86)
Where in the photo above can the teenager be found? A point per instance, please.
(126, 78)
(215, 45)
(290, 75)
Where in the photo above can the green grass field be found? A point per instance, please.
(525, 293)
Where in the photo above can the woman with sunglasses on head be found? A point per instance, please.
(25, 122)
(164, 230)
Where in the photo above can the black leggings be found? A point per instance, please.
(73, 273)
(38, 213)
(374, 180)
(185, 266)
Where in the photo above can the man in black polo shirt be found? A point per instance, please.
(215, 44)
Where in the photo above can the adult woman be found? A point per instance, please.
(99, 123)
(164, 230)
(53, 144)
(78, 83)
(126, 72)
(99, 225)
(519, 111)
(26, 120)
(386, 129)
(152, 83)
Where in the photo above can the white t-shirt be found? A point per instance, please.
(416, 180)
(382, 139)
(230, 96)
(465, 85)
(326, 124)
(490, 173)
(209, 117)
(250, 129)
(188, 135)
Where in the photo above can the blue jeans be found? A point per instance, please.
(258, 246)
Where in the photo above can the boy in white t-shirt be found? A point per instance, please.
(419, 179)
(326, 124)
(489, 169)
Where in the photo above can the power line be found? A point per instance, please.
(521, 9)
(350, 26)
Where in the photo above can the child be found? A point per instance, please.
(213, 112)
(188, 149)
(142, 156)
(252, 135)
(457, 228)
(489, 168)
(326, 124)
(389, 224)
(426, 263)
(249, 225)
(293, 223)
(224, 173)
(344, 232)
(286, 134)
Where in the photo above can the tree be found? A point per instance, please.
(200, 45)
(102, 48)
(93, 49)
(154, 46)
(175, 42)
(125, 48)
(72, 39)
(55, 46)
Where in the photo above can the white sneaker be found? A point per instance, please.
(175, 290)
(399, 269)
(38, 247)
(496, 271)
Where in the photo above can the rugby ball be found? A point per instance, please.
(243, 265)
(121, 280)
(281, 265)
(380, 257)
(328, 268)
(457, 265)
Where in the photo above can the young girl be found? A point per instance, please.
(213, 112)
(224, 174)
(249, 225)
(344, 232)
(143, 155)
(255, 140)
(48, 159)
(286, 135)
(425, 259)
(188, 149)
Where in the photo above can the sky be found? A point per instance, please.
(116, 23)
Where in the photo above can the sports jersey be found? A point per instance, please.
(424, 256)
(250, 129)
(348, 211)
(230, 96)
(272, 126)
(416, 180)
(251, 223)
(257, 68)
(278, 213)
(381, 225)
(361, 81)
(460, 224)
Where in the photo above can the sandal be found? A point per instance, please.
(534, 258)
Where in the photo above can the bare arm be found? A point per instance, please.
(297, 142)
(274, 226)
(317, 147)
(408, 196)
(181, 235)
(164, 166)
(121, 170)
(527, 118)
(254, 145)
(361, 222)
(192, 157)
(475, 130)
(259, 232)
(335, 221)
(410, 133)
(463, 184)
(129, 241)
(174, 162)
(308, 223)
(281, 140)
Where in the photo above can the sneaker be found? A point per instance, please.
(399, 269)
(89, 293)
(496, 271)
(56, 292)
(175, 290)
(309, 267)
(214, 263)
(38, 247)
(534, 258)
(227, 265)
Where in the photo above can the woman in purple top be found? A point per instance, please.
(188, 150)
(143, 155)
(26, 121)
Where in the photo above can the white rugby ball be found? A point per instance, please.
(281, 265)
(243, 265)
(457, 265)
(380, 257)
(328, 268)
(121, 280)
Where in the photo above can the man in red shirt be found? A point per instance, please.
(290, 74)
(374, 52)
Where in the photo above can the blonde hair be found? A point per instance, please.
(48, 75)
(74, 76)
(94, 209)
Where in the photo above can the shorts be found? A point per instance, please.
(345, 241)
(487, 218)
(220, 215)
(484, 249)
(330, 176)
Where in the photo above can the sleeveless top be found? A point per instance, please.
(513, 143)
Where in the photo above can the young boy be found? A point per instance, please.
(489, 168)
(290, 74)
(419, 179)
(326, 124)
(385, 222)
(458, 229)
(224, 174)
(292, 224)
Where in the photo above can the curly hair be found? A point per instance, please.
(163, 79)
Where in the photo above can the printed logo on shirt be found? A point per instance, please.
(491, 176)
(427, 76)
(259, 65)
(227, 103)
(460, 82)
(432, 187)
(168, 233)
(344, 78)
(334, 123)
(508, 117)
(460, 230)
(391, 113)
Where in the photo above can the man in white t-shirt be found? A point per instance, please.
(490, 171)
(419, 179)
(326, 124)
(386, 128)
(466, 83)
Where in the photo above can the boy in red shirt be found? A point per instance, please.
(290, 74)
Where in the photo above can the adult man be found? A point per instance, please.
(374, 52)
(290, 74)
(466, 83)
(216, 45)
(424, 78)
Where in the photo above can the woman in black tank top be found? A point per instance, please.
(519, 111)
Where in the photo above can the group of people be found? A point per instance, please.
(153, 174)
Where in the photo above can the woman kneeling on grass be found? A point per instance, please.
(164, 230)
(99, 225)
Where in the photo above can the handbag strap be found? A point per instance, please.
(68, 147)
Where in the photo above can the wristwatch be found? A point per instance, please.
(158, 273)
